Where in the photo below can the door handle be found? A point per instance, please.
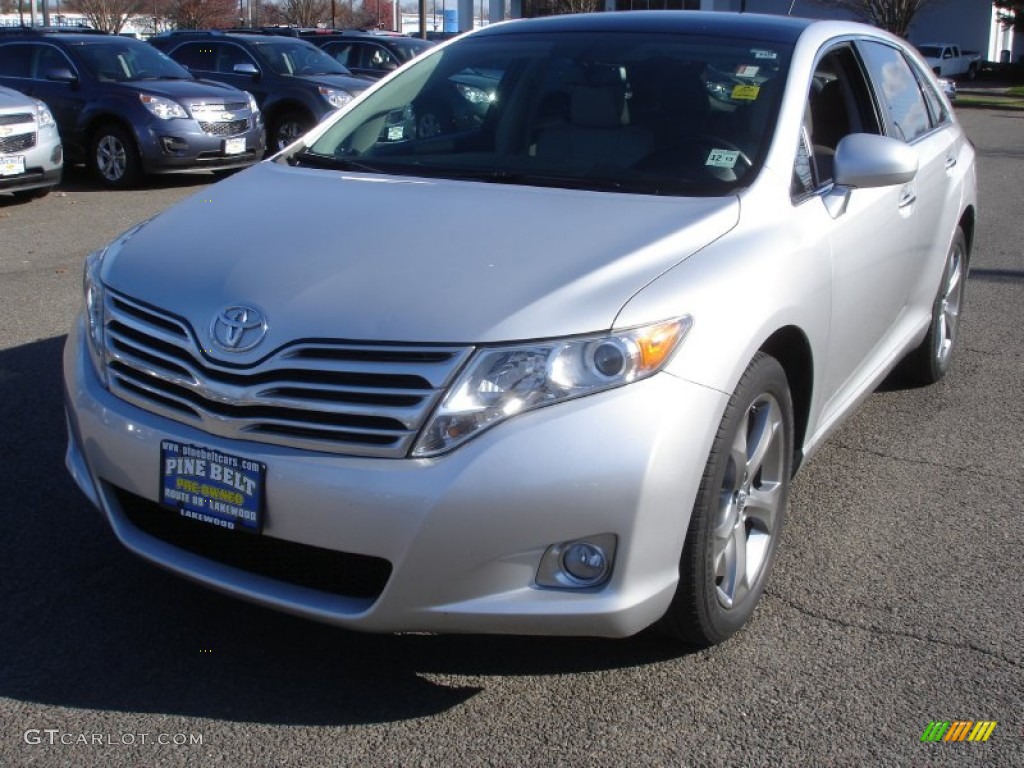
(908, 196)
(950, 162)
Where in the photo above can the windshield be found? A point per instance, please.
(297, 57)
(651, 113)
(119, 61)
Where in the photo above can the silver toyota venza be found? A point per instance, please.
(532, 336)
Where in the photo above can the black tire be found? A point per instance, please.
(931, 360)
(741, 503)
(287, 128)
(115, 158)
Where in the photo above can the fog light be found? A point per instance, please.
(578, 564)
(173, 144)
(585, 562)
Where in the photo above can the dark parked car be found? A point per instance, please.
(295, 83)
(368, 54)
(126, 109)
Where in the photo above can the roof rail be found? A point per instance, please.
(71, 30)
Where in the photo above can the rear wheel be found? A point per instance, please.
(931, 360)
(115, 158)
(737, 519)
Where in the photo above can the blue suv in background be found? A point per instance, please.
(126, 109)
(295, 83)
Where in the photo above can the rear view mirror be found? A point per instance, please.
(61, 75)
(245, 68)
(868, 160)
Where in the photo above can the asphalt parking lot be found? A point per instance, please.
(895, 602)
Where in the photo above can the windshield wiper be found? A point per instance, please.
(315, 160)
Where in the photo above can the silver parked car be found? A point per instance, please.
(31, 155)
(565, 390)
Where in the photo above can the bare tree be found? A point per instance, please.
(108, 15)
(305, 13)
(577, 6)
(892, 15)
(374, 14)
(201, 14)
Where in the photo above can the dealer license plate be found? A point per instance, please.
(234, 146)
(211, 487)
(12, 165)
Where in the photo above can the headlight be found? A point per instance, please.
(95, 313)
(255, 109)
(165, 109)
(94, 299)
(335, 96)
(43, 115)
(474, 95)
(499, 383)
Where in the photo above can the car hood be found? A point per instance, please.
(327, 254)
(350, 83)
(185, 90)
(10, 98)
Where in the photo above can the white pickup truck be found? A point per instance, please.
(947, 60)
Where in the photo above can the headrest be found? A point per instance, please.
(597, 106)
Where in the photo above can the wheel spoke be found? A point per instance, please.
(767, 421)
(731, 566)
(763, 506)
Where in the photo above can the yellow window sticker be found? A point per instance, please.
(745, 92)
(722, 158)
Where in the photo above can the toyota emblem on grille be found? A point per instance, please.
(238, 328)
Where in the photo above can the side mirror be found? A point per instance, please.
(867, 160)
(61, 75)
(246, 68)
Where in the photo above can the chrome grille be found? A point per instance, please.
(16, 119)
(225, 129)
(338, 397)
(17, 143)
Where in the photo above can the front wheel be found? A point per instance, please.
(287, 128)
(737, 518)
(115, 159)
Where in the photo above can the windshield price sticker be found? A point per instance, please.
(745, 92)
(747, 70)
(12, 166)
(722, 158)
(212, 487)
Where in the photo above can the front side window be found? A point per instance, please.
(655, 114)
(838, 103)
(297, 58)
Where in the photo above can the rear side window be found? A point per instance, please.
(898, 91)
(199, 57)
(15, 60)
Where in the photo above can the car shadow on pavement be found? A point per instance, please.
(80, 179)
(89, 626)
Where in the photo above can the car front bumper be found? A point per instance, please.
(179, 145)
(463, 533)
